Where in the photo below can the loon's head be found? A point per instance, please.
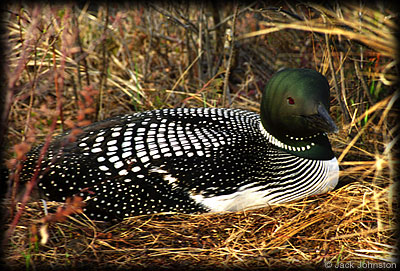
(295, 111)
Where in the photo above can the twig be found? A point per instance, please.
(230, 41)
(354, 140)
(212, 69)
(169, 16)
(103, 80)
(83, 59)
(200, 45)
(183, 74)
(363, 84)
(335, 83)
(231, 16)
(33, 180)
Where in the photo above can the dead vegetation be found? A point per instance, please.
(70, 66)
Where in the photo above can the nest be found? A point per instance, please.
(352, 223)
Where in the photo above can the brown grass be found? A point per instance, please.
(69, 67)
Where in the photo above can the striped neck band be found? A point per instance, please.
(276, 142)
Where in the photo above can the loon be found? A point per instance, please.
(193, 160)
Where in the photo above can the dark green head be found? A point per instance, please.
(295, 110)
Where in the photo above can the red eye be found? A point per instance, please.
(290, 100)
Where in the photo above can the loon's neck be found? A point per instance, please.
(316, 147)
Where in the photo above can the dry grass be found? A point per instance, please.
(354, 223)
(69, 67)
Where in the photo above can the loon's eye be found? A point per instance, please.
(290, 100)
